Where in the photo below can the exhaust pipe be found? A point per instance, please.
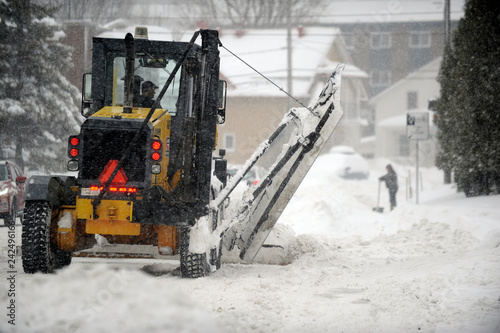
(129, 73)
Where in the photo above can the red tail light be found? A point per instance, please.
(156, 154)
(73, 147)
(114, 189)
(124, 189)
(156, 145)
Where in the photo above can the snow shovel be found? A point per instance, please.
(378, 209)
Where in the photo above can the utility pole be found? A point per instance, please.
(447, 172)
(446, 21)
(289, 51)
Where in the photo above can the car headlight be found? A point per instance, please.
(4, 191)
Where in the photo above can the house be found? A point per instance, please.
(411, 94)
(391, 39)
(256, 104)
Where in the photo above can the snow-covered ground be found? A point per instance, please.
(431, 267)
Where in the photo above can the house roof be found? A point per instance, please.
(429, 71)
(345, 12)
(266, 51)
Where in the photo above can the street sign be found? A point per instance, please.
(417, 125)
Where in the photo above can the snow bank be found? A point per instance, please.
(334, 265)
(97, 298)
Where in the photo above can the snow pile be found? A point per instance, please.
(334, 265)
(97, 298)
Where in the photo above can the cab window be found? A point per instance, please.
(147, 68)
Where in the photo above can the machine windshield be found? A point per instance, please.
(150, 74)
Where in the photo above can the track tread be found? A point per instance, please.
(193, 265)
(35, 246)
(39, 254)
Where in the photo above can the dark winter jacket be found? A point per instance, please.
(146, 102)
(391, 180)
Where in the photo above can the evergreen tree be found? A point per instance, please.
(469, 107)
(38, 106)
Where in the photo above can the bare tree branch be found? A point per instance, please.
(253, 13)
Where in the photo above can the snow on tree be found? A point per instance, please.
(38, 105)
(96, 11)
(469, 107)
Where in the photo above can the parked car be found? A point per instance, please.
(255, 175)
(348, 164)
(252, 177)
(12, 189)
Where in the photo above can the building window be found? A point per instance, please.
(412, 100)
(229, 142)
(380, 40)
(420, 39)
(380, 78)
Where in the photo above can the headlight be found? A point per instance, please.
(5, 191)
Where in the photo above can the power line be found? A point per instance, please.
(265, 77)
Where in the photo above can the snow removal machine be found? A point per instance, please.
(148, 168)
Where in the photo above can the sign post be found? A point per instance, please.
(417, 128)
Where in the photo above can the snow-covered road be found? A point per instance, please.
(432, 267)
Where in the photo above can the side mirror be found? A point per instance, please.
(221, 103)
(20, 179)
(86, 94)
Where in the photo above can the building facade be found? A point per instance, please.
(391, 39)
(410, 94)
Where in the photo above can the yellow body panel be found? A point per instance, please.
(112, 227)
(114, 217)
(167, 239)
(108, 209)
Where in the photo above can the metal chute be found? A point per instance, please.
(297, 142)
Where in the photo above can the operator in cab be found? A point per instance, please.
(148, 94)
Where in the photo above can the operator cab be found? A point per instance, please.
(153, 64)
